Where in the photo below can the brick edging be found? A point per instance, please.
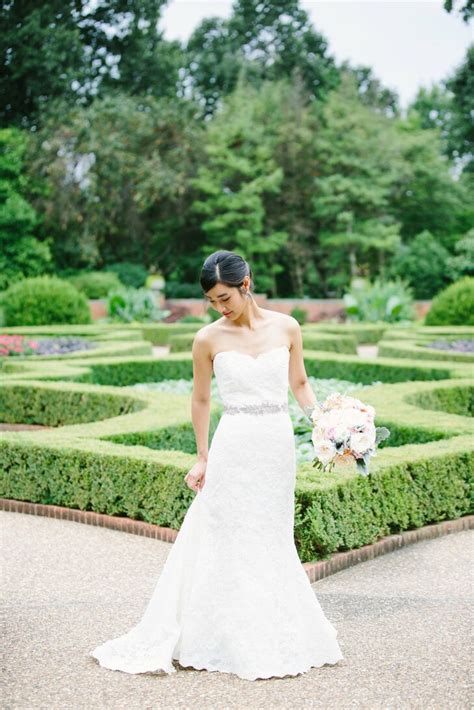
(315, 570)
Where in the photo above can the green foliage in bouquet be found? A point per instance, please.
(362, 463)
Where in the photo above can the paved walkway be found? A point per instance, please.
(403, 619)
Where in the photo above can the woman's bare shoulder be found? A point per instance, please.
(287, 323)
(206, 336)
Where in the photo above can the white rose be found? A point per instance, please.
(325, 451)
(359, 418)
(334, 400)
(341, 432)
(318, 434)
(361, 441)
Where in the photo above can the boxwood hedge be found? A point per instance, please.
(121, 451)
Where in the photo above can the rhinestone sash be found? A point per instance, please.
(259, 408)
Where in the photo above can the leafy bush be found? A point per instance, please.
(129, 304)
(128, 273)
(191, 319)
(175, 289)
(21, 253)
(44, 300)
(454, 305)
(301, 315)
(213, 315)
(95, 284)
(389, 301)
(462, 264)
(423, 263)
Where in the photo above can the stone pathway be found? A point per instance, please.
(367, 350)
(161, 350)
(404, 623)
(22, 427)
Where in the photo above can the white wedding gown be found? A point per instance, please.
(233, 595)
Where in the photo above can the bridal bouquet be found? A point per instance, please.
(344, 431)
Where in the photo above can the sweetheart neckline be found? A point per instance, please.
(252, 357)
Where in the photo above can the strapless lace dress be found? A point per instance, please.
(233, 595)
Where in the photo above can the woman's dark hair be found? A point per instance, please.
(225, 267)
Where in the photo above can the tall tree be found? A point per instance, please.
(464, 7)
(449, 106)
(425, 194)
(232, 184)
(358, 163)
(266, 38)
(371, 90)
(461, 84)
(76, 50)
(21, 253)
(118, 174)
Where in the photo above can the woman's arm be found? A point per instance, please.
(201, 395)
(298, 379)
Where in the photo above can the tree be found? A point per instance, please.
(423, 263)
(461, 84)
(268, 40)
(425, 194)
(118, 174)
(465, 8)
(21, 253)
(232, 184)
(371, 91)
(449, 107)
(76, 50)
(462, 263)
(358, 164)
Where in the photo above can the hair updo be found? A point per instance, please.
(225, 267)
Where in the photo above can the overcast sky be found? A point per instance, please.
(408, 43)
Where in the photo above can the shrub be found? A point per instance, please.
(21, 253)
(191, 319)
(177, 289)
(462, 264)
(454, 305)
(44, 300)
(389, 301)
(301, 315)
(128, 273)
(95, 284)
(129, 304)
(213, 315)
(423, 263)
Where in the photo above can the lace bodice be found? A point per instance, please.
(243, 379)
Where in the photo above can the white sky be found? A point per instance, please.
(408, 43)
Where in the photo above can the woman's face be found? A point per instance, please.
(227, 299)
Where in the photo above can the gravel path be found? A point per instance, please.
(403, 619)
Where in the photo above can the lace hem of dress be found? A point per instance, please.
(264, 675)
(165, 669)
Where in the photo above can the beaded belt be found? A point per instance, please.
(260, 408)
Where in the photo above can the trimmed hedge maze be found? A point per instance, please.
(119, 450)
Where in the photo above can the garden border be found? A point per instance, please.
(316, 570)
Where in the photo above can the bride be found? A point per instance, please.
(233, 596)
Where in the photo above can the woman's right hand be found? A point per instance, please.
(196, 476)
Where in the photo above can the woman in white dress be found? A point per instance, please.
(233, 595)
